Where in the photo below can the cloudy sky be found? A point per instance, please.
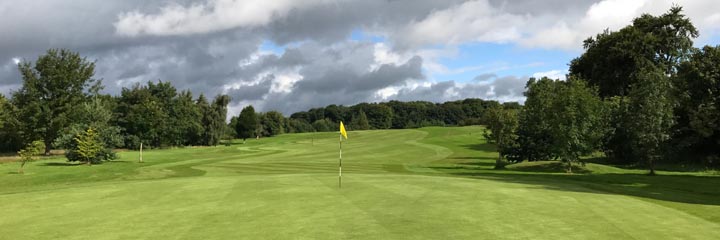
(291, 55)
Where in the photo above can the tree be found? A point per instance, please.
(576, 121)
(299, 126)
(534, 132)
(29, 153)
(52, 87)
(215, 120)
(142, 116)
(620, 62)
(323, 125)
(272, 123)
(612, 60)
(698, 90)
(187, 115)
(501, 128)
(97, 116)
(89, 146)
(360, 122)
(247, 123)
(652, 117)
(10, 139)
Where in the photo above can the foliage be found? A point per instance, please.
(652, 116)
(215, 120)
(247, 123)
(534, 132)
(272, 123)
(324, 125)
(501, 129)
(89, 147)
(10, 135)
(156, 115)
(360, 122)
(29, 153)
(698, 90)
(576, 122)
(52, 87)
(299, 126)
(97, 116)
(613, 60)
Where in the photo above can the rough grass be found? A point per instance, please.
(431, 183)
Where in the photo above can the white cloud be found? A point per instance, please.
(552, 74)
(479, 21)
(215, 15)
(473, 21)
(16, 60)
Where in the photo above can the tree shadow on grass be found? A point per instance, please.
(485, 147)
(61, 164)
(675, 188)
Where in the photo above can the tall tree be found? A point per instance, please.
(652, 117)
(576, 121)
(207, 118)
(620, 62)
(534, 132)
(698, 88)
(501, 127)
(612, 60)
(10, 139)
(52, 86)
(217, 114)
(141, 116)
(247, 123)
(187, 118)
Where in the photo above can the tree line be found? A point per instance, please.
(60, 106)
(364, 116)
(642, 95)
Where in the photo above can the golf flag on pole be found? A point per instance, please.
(342, 130)
(343, 133)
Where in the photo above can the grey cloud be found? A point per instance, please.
(555, 7)
(332, 68)
(508, 88)
(485, 77)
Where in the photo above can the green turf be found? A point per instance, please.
(431, 183)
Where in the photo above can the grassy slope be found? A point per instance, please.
(407, 184)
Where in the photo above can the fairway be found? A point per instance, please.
(429, 183)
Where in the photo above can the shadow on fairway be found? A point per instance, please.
(485, 147)
(675, 188)
(61, 164)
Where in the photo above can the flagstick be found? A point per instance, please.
(340, 169)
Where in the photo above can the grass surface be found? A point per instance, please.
(431, 183)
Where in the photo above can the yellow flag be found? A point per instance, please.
(342, 130)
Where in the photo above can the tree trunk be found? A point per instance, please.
(500, 162)
(652, 167)
(48, 147)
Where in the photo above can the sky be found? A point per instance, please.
(290, 56)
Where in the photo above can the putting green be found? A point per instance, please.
(431, 183)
